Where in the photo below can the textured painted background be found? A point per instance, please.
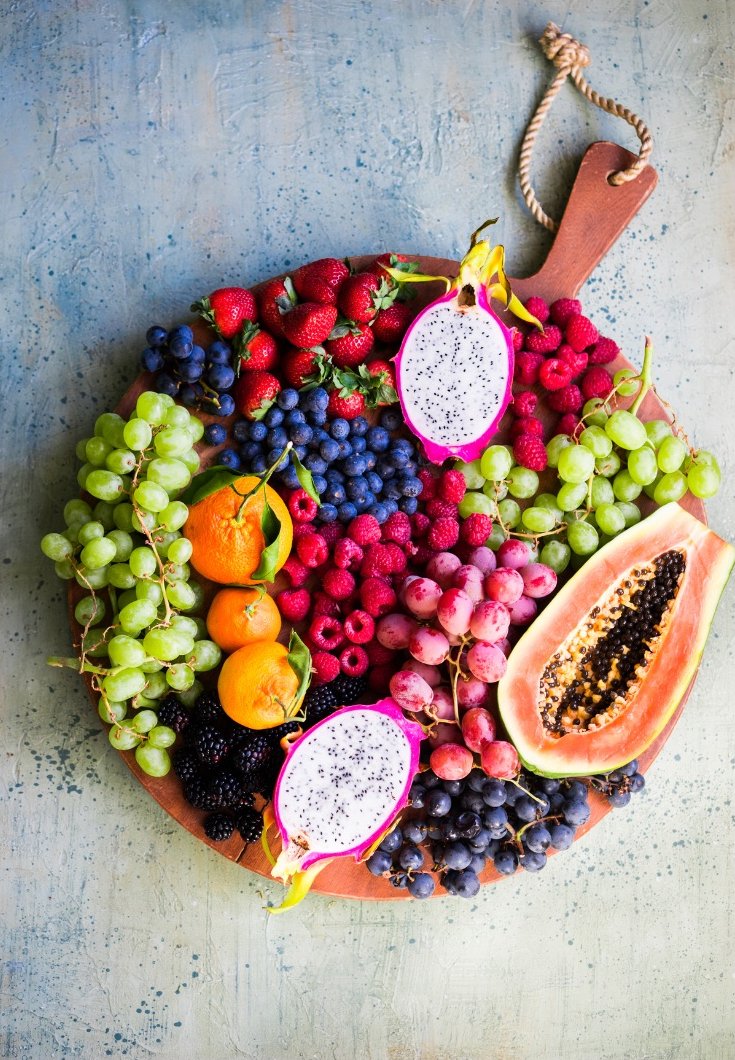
(152, 151)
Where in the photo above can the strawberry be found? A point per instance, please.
(345, 401)
(390, 324)
(375, 381)
(349, 343)
(227, 309)
(305, 366)
(320, 281)
(308, 324)
(255, 392)
(255, 350)
(362, 295)
(399, 263)
(274, 297)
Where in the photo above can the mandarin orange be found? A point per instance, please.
(257, 686)
(226, 533)
(237, 617)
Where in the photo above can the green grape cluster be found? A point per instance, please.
(127, 551)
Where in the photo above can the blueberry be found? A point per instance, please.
(156, 336)
(410, 468)
(421, 885)
(189, 370)
(374, 481)
(273, 417)
(198, 354)
(152, 359)
(379, 512)
(378, 439)
(329, 450)
(300, 451)
(241, 430)
(355, 465)
(408, 505)
(357, 445)
(315, 400)
(506, 861)
(318, 436)
(215, 434)
(219, 353)
(229, 458)
(317, 419)
(320, 483)
(288, 399)
(410, 857)
(259, 465)
(370, 459)
(392, 842)
(398, 458)
(334, 494)
(249, 451)
(328, 513)
(410, 486)
(272, 456)
(379, 863)
(289, 479)
(562, 836)
(301, 433)
(226, 405)
(356, 487)
(368, 498)
(390, 506)
(339, 429)
(358, 427)
(346, 448)
(333, 474)
(315, 463)
(276, 438)
(403, 443)
(166, 384)
(438, 803)
(257, 431)
(391, 419)
(346, 512)
(294, 416)
(384, 469)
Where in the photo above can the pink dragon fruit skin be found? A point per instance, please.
(480, 406)
(297, 853)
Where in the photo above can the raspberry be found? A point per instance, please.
(325, 605)
(554, 374)
(567, 424)
(377, 597)
(326, 667)
(347, 554)
(529, 451)
(524, 404)
(604, 351)
(339, 584)
(527, 366)
(294, 604)
(295, 571)
(538, 308)
(569, 399)
(429, 483)
(302, 507)
(379, 679)
(397, 527)
(378, 654)
(364, 529)
(397, 558)
(476, 529)
(518, 338)
(354, 661)
(359, 627)
(452, 486)
(302, 530)
(378, 560)
(420, 524)
(438, 509)
(545, 341)
(526, 425)
(563, 309)
(422, 555)
(326, 632)
(596, 382)
(576, 361)
(443, 534)
(312, 550)
(332, 533)
(580, 333)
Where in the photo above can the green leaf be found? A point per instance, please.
(304, 476)
(272, 529)
(210, 481)
(299, 659)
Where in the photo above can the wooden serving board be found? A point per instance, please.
(597, 213)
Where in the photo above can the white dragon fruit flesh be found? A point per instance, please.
(341, 787)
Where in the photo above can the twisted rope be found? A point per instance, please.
(569, 56)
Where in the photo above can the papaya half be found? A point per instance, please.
(597, 676)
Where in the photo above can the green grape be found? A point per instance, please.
(152, 666)
(186, 624)
(156, 686)
(123, 739)
(496, 462)
(104, 485)
(609, 519)
(125, 684)
(143, 702)
(144, 521)
(164, 541)
(703, 456)
(650, 489)
(91, 531)
(80, 449)
(164, 644)
(174, 515)
(152, 591)
(110, 427)
(135, 616)
(631, 512)
(626, 430)
(642, 465)
(671, 454)
(703, 479)
(608, 466)
(192, 460)
(90, 611)
(151, 496)
(199, 595)
(555, 447)
(538, 520)
(496, 491)
(77, 511)
(64, 569)
(121, 461)
(556, 554)
(582, 538)
(178, 572)
(549, 501)
(182, 596)
(602, 492)
(96, 451)
(168, 401)
(123, 544)
(571, 496)
(509, 513)
(161, 736)
(473, 503)
(595, 439)
(126, 651)
(196, 429)
(151, 407)
(169, 473)
(172, 441)
(190, 695)
(205, 655)
(576, 464)
(522, 483)
(105, 513)
(121, 576)
(125, 598)
(143, 562)
(657, 431)
(671, 487)
(627, 381)
(110, 711)
(180, 676)
(90, 578)
(154, 761)
(144, 721)
(624, 487)
(594, 412)
(94, 642)
(177, 416)
(71, 534)
(474, 479)
(137, 434)
(56, 547)
(83, 474)
(98, 554)
(497, 536)
(123, 516)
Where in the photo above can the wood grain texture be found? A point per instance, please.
(152, 151)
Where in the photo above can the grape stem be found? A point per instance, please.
(645, 376)
(455, 666)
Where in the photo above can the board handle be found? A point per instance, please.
(596, 214)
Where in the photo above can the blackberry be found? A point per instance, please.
(210, 744)
(348, 690)
(262, 781)
(208, 709)
(196, 793)
(319, 704)
(186, 764)
(224, 789)
(276, 735)
(249, 824)
(253, 755)
(218, 826)
(174, 714)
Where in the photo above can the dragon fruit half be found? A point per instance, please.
(454, 369)
(340, 789)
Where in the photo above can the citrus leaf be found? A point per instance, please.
(210, 481)
(299, 659)
(272, 530)
(304, 476)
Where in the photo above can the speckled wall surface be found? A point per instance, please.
(152, 151)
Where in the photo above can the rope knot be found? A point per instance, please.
(562, 49)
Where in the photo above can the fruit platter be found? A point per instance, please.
(389, 577)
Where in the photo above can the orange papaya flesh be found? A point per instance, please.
(601, 671)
